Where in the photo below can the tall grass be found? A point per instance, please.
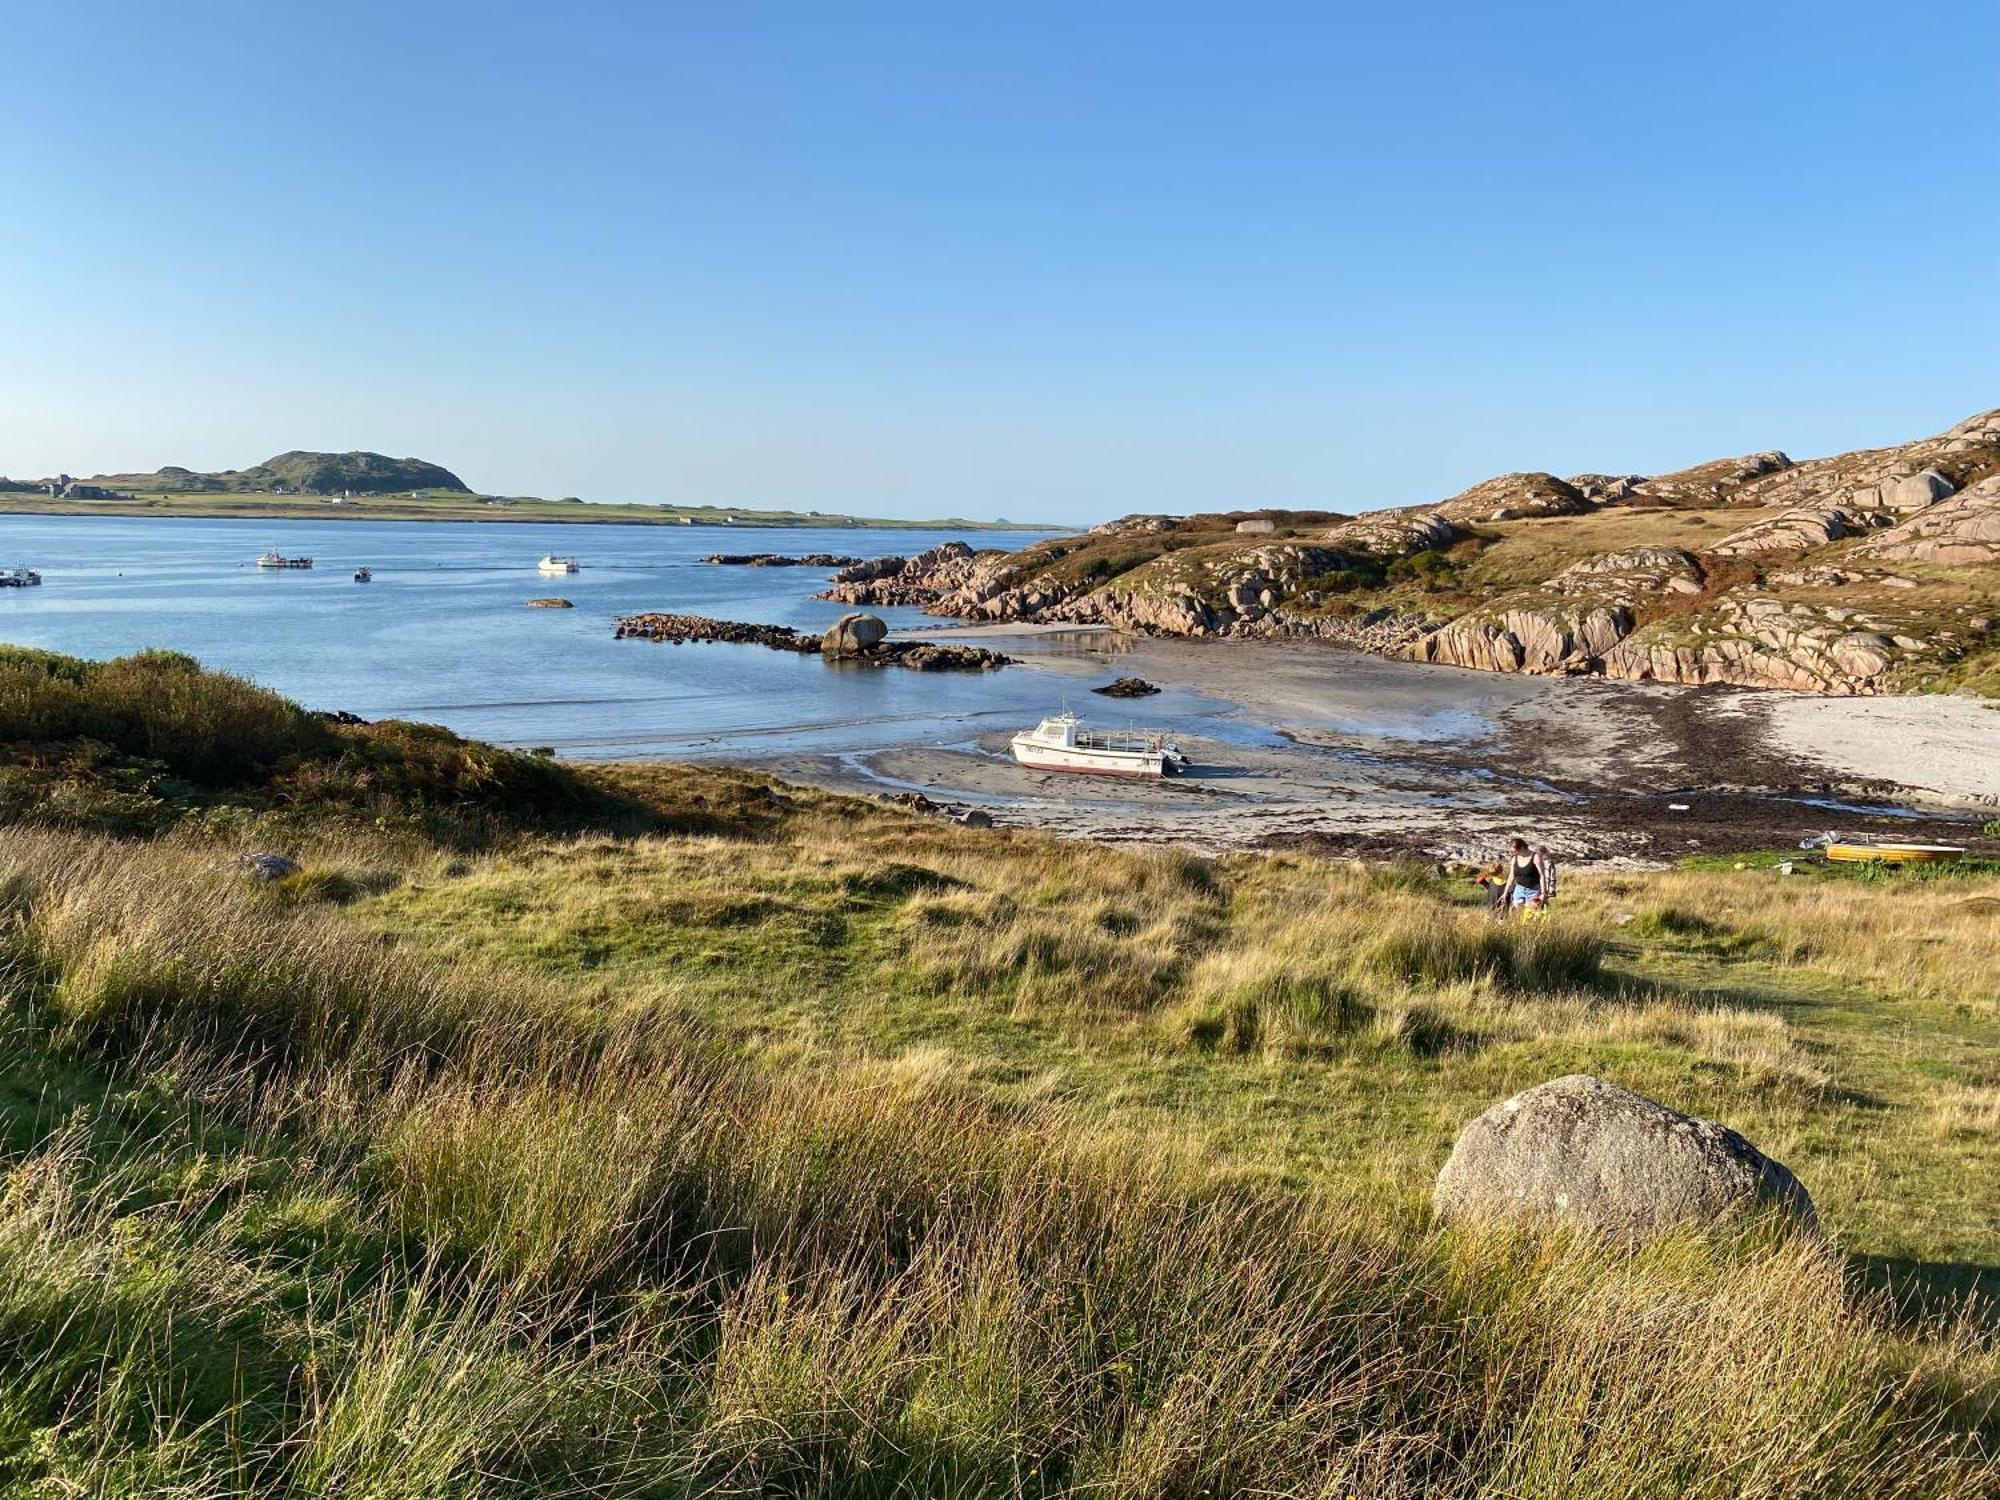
(481, 1242)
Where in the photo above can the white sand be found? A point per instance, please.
(1947, 749)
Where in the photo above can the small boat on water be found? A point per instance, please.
(1843, 849)
(1061, 743)
(554, 564)
(19, 578)
(363, 575)
(276, 559)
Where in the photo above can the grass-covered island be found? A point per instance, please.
(652, 1130)
(371, 486)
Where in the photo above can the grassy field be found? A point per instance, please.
(673, 1132)
(448, 506)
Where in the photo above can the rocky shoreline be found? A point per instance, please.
(857, 639)
(1870, 572)
(780, 560)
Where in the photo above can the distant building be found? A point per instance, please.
(62, 487)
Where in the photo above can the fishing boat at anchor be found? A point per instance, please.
(1061, 743)
(276, 559)
(19, 578)
(363, 575)
(553, 564)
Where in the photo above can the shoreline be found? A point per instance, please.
(1345, 752)
(145, 511)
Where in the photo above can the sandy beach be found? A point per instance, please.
(1350, 753)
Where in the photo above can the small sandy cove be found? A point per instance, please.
(1303, 744)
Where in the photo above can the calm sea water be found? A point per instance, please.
(441, 634)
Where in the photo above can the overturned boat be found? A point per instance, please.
(1061, 743)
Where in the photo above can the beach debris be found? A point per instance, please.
(1586, 1154)
(1127, 687)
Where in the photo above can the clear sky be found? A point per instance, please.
(1048, 261)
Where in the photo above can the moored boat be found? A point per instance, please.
(19, 578)
(553, 564)
(363, 575)
(1061, 743)
(276, 559)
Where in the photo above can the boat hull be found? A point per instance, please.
(1149, 766)
(1894, 854)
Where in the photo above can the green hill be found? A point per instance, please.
(300, 472)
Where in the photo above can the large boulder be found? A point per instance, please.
(1917, 491)
(1586, 1154)
(853, 634)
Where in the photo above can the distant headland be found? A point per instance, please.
(372, 486)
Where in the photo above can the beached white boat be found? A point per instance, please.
(19, 578)
(276, 559)
(1061, 743)
(554, 564)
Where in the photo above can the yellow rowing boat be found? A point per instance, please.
(1871, 852)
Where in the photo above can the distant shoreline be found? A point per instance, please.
(523, 513)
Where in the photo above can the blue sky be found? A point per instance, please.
(1048, 261)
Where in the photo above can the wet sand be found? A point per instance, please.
(1355, 754)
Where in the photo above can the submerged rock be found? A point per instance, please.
(779, 560)
(1127, 687)
(550, 603)
(1586, 1154)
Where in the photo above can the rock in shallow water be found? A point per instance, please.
(1586, 1154)
(1127, 687)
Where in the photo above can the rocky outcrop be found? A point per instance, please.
(780, 560)
(1962, 529)
(921, 580)
(1579, 1153)
(1717, 482)
(550, 603)
(1747, 640)
(1796, 531)
(856, 640)
(679, 629)
(1527, 637)
(1444, 583)
(1510, 497)
(1394, 533)
(1669, 570)
(1127, 687)
(1899, 478)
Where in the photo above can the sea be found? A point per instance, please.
(443, 633)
